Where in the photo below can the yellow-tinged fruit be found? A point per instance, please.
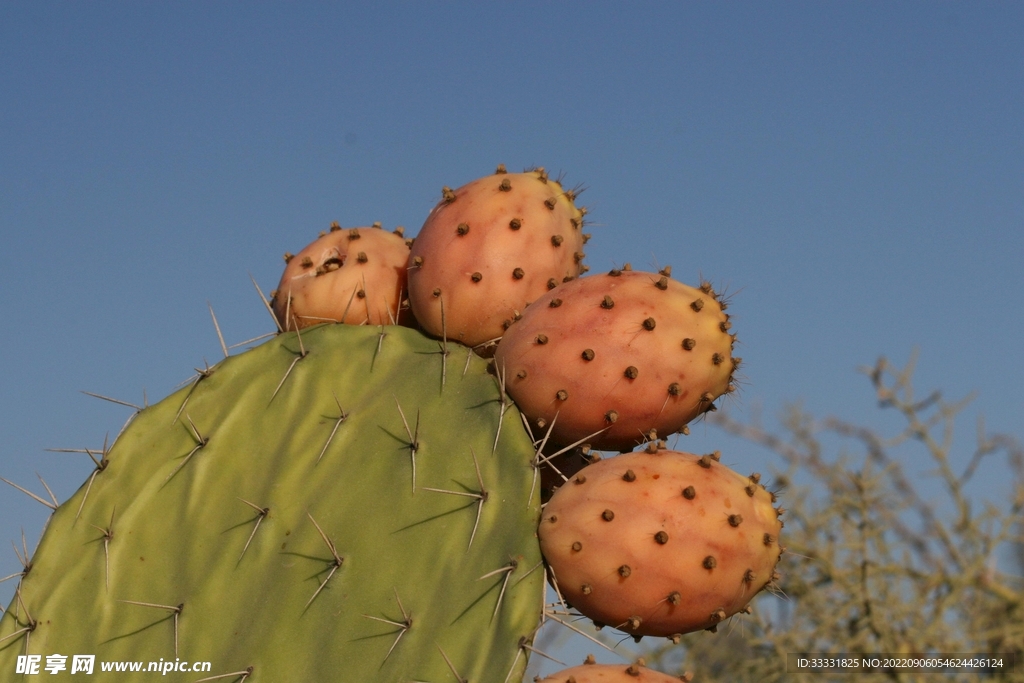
(355, 276)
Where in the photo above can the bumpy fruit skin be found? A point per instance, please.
(257, 585)
(609, 673)
(660, 543)
(625, 352)
(354, 275)
(486, 251)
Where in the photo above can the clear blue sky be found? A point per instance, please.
(853, 171)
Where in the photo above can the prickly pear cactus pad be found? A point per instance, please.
(319, 508)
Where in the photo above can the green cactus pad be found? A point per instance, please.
(400, 592)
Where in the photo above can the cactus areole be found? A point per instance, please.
(314, 510)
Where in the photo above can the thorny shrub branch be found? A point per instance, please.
(872, 565)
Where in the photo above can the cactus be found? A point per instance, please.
(488, 249)
(615, 356)
(660, 542)
(317, 508)
(336, 505)
(355, 276)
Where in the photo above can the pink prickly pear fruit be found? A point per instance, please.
(612, 673)
(609, 358)
(490, 247)
(661, 543)
(354, 275)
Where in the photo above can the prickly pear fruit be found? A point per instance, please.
(354, 275)
(489, 248)
(615, 356)
(319, 508)
(661, 543)
(611, 673)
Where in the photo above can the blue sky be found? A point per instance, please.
(854, 172)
